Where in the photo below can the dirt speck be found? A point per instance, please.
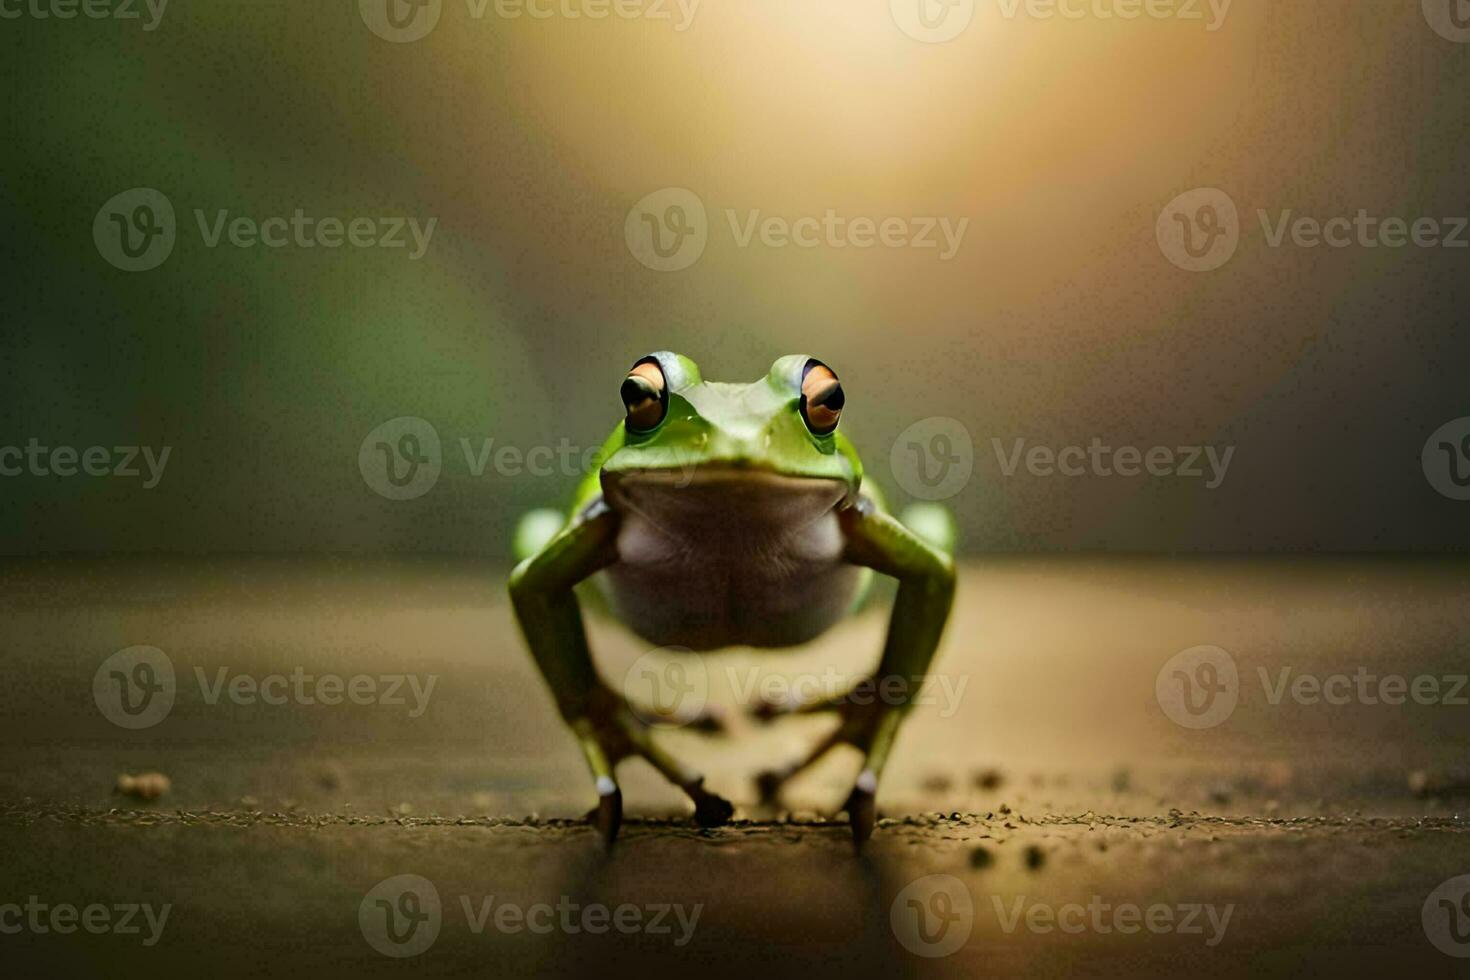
(937, 783)
(988, 779)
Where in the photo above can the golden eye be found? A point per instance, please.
(645, 395)
(821, 398)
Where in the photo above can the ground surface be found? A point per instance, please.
(1044, 780)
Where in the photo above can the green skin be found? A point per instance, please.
(718, 430)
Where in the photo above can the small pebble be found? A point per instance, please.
(144, 786)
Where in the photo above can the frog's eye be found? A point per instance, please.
(821, 398)
(645, 395)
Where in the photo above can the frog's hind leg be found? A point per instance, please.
(544, 598)
(870, 713)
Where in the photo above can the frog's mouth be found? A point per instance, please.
(741, 492)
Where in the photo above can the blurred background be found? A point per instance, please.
(530, 142)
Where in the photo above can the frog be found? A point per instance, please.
(729, 515)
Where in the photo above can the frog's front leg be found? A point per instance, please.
(871, 713)
(541, 592)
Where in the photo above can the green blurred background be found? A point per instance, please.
(529, 140)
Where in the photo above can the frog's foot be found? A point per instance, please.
(866, 693)
(768, 709)
(708, 720)
(870, 729)
(610, 732)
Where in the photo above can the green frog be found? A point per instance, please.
(729, 515)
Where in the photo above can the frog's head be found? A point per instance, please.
(679, 426)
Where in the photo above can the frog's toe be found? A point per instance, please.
(608, 817)
(710, 720)
(769, 783)
(862, 807)
(710, 809)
